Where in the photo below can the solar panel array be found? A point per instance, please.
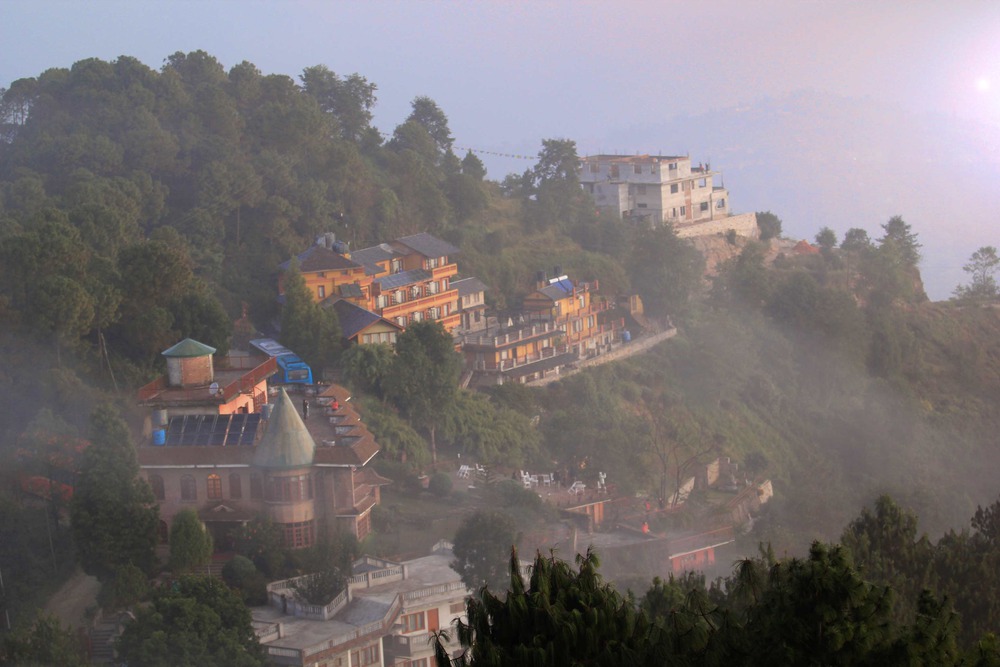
(213, 430)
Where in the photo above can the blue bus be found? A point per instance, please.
(291, 369)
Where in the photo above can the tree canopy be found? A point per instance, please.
(198, 620)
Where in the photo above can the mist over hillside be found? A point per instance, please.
(820, 160)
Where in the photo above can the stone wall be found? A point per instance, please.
(744, 224)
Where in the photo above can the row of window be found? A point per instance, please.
(595, 167)
(419, 315)
(380, 337)
(410, 294)
(366, 656)
(279, 489)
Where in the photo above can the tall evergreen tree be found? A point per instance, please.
(424, 376)
(114, 514)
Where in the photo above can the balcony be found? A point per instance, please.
(525, 334)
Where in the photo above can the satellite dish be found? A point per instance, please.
(213, 388)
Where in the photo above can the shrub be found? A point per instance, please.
(440, 484)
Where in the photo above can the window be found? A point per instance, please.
(289, 489)
(643, 206)
(413, 622)
(582, 301)
(401, 320)
(456, 608)
(594, 167)
(397, 265)
(156, 482)
(433, 313)
(641, 189)
(381, 301)
(614, 171)
(256, 488)
(702, 182)
(577, 326)
(418, 317)
(214, 487)
(419, 662)
(399, 296)
(298, 534)
(720, 203)
(432, 287)
(636, 168)
(189, 490)
(415, 292)
(703, 206)
(672, 166)
(321, 274)
(235, 486)
(321, 291)
(673, 188)
(366, 656)
(590, 322)
(683, 210)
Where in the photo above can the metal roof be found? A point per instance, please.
(427, 245)
(354, 319)
(404, 278)
(467, 286)
(189, 348)
(286, 443)
(321, 258)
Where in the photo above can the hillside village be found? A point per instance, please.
(283, 360)
(225, 437)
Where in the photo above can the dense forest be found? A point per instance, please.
(141, 206)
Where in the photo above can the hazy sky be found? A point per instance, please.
(509, 74)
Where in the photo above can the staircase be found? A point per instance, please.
(102, 641)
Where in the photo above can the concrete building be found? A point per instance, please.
(384, 618)
(654, 188)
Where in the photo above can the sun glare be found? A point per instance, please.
(982, 84)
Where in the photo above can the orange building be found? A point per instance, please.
(407, 280)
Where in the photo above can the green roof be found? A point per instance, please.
(189, 348)
(286, 442)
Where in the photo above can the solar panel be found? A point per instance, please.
(250, 429)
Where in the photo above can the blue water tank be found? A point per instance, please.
(626, 336)
(159, 437)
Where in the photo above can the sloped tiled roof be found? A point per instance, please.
(350, 291)
(321, 258)
(467, 286)
(355, 319)
(189, 348)
(369, 257)
(427, 245)
(286, 443)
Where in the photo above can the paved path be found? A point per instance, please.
(70, 603)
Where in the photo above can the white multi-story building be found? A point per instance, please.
(385, 617)
(658, 188)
